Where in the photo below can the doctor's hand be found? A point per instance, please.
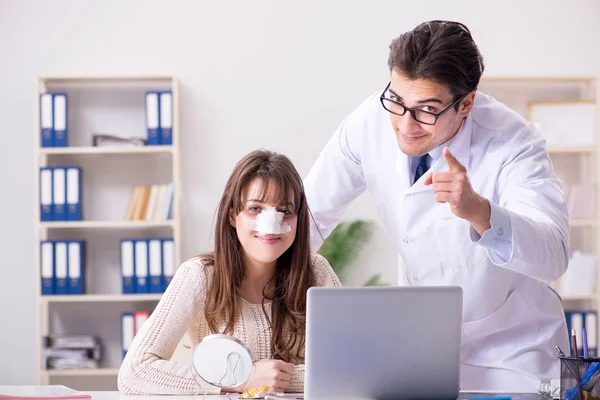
(454, 187)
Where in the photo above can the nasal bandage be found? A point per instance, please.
(269, 222)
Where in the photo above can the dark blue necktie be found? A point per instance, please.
(422, 167)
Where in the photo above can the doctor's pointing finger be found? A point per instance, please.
(453, 187)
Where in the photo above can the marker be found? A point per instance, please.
(585, 343)
(574, 343)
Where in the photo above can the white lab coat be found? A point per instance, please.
(512, 319)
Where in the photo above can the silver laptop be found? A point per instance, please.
(383, 343)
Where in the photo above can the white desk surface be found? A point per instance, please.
(234, 396)
(119, 396)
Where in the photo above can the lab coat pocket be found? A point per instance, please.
(493, 337)
(454, 244)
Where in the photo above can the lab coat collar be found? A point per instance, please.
(459, 146)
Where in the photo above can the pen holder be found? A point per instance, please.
(579, 378)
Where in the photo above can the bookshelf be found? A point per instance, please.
(100, 298)
(84, 372)
(573, 152)
(105, 150)
(106, 224)
(103, 105)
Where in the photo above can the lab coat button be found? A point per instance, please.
(500, 232)
(415, 279)
(407, 196)
(405, 240)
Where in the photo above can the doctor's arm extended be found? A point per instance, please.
(147, 368)
(526, 229)
(336, 178)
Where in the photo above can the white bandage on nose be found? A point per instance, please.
(269, 222)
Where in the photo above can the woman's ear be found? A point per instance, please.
(231, 218)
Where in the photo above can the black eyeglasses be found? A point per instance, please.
(422, 116)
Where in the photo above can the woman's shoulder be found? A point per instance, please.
(199, 267)
(318, 261)
(324, 273)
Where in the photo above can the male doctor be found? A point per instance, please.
(466, 190)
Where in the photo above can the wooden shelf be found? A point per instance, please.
(572, 149)
(591, 297)
(100, 298)
(106, 224)
(541, 79)
(583, 222)
(83, 150)
(81, 372)
(105, 78)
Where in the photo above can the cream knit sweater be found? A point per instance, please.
(147, 368)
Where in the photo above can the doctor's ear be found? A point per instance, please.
(466, 104)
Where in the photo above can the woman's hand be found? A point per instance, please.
(275, 374)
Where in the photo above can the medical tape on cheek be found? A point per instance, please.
(269, 222)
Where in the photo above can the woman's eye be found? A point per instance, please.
(285, 211)
(254, 209)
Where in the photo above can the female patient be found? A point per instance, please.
(253, 287)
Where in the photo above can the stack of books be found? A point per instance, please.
(72, 352)
(150, 203)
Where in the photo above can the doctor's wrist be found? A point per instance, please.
(481, 216)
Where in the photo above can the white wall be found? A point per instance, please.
(276, 74)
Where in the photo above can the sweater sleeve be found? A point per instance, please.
(326, 277)
(147, 369)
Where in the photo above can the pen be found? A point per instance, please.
(560, 353)
(574, 343)
(585, 382)
(585, 343)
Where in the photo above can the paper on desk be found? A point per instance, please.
(41, 392)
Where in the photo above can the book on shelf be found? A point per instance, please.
(70, 341)
(63, 267)
(53, 120)
(106, 140)
(150, 203)
(147, 264)
(72, 352)
(131, 323)
(579, 319)
(60, 193)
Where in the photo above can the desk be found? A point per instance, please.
(119, 396)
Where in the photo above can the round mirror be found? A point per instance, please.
(222, 361)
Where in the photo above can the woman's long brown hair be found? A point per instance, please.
(293, 274)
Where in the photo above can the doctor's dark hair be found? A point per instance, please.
(442, 51)
(294, 273)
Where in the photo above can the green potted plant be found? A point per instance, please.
(343, 245)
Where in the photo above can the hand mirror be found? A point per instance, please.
(222, 361)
